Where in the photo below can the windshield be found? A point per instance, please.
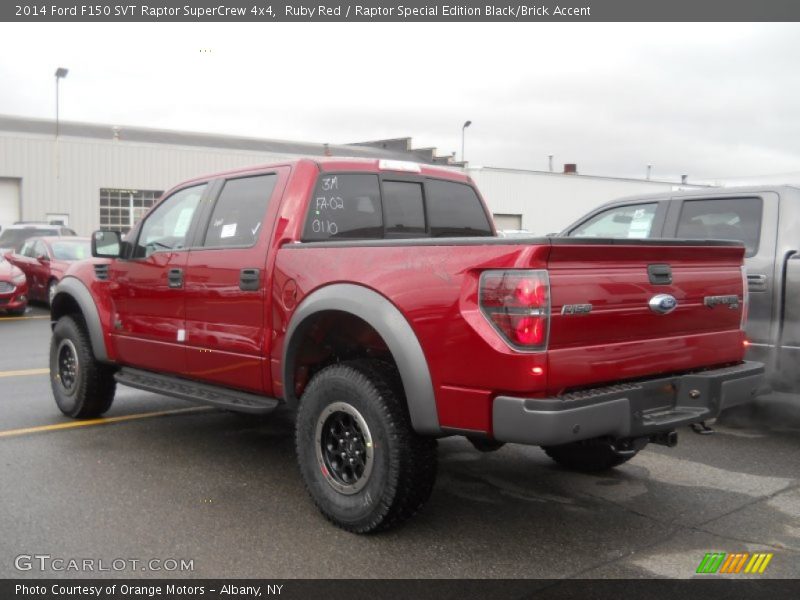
(71, 250)
(13, 238)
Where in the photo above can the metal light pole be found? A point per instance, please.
(463, 129)
(61, 72)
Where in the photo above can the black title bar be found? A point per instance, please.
(399, 11)
(710, 588)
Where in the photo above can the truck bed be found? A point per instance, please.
(434, 283)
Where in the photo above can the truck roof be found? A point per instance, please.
(704, 192)
(339, 163)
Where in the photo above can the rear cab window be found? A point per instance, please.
(633, 221)
(722, 219)
(371, 206)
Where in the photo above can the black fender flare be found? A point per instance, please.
(395, 330)
(74, 288)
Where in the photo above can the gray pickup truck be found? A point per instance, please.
(766, 219)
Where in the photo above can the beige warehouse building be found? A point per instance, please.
(96, 175)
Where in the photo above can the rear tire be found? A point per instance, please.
(589, 456)
(82, 387)
(363, 465)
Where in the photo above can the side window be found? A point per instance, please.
(722, 219)
(27, 249)
(167, 226)
(39, 249)
(632, 221)
(239, 212)
(454, 209)
(345, 205)
(403, 208)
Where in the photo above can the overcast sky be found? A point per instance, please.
(710, 100)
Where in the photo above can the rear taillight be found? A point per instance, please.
(745, 300)
(517, 304)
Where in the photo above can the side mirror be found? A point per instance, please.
(43, 258)
(106, 244)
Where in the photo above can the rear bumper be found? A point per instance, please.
(627, 410)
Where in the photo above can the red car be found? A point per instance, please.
(13, 289)
(44, 261)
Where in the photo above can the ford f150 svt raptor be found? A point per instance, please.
(375, 298)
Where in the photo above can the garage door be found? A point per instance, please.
(9, 201)
(507, 222)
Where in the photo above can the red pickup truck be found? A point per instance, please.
(375, 298)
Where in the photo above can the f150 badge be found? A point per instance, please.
(663, 303)
(729, 301)
(576, 309)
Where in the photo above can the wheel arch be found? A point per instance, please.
(400, 339)
(73, 297)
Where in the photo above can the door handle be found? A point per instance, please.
(757, 283)
(250, 280)
(659, 274)
(175, 278)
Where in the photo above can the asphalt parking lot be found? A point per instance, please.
(169, 481)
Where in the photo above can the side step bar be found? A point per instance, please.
(196, 392)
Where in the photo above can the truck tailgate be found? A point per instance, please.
(621, 337)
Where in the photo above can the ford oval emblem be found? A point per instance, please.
(663, 303)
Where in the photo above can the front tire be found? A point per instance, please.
(362, 463)
(590, 456)
(82, 387)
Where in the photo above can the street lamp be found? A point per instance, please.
(61, 72)
(463, 129)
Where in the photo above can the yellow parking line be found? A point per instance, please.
(100, 421)
(23, 318)
(24, 372)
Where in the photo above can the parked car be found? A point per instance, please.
(13, 236)
(44, 261)
(375, 298)
(13, 289)
(765, 220)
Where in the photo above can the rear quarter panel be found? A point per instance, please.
(435, 288)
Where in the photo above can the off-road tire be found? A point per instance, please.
(403, 467)
(589, 456)
(92, 388)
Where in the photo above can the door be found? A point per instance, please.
(147, 288)
(25, 259)
(39, 270)
(33, 258)
(227, 304)
(633, 220)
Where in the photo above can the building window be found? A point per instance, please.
(122, 209)
(507, 222)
